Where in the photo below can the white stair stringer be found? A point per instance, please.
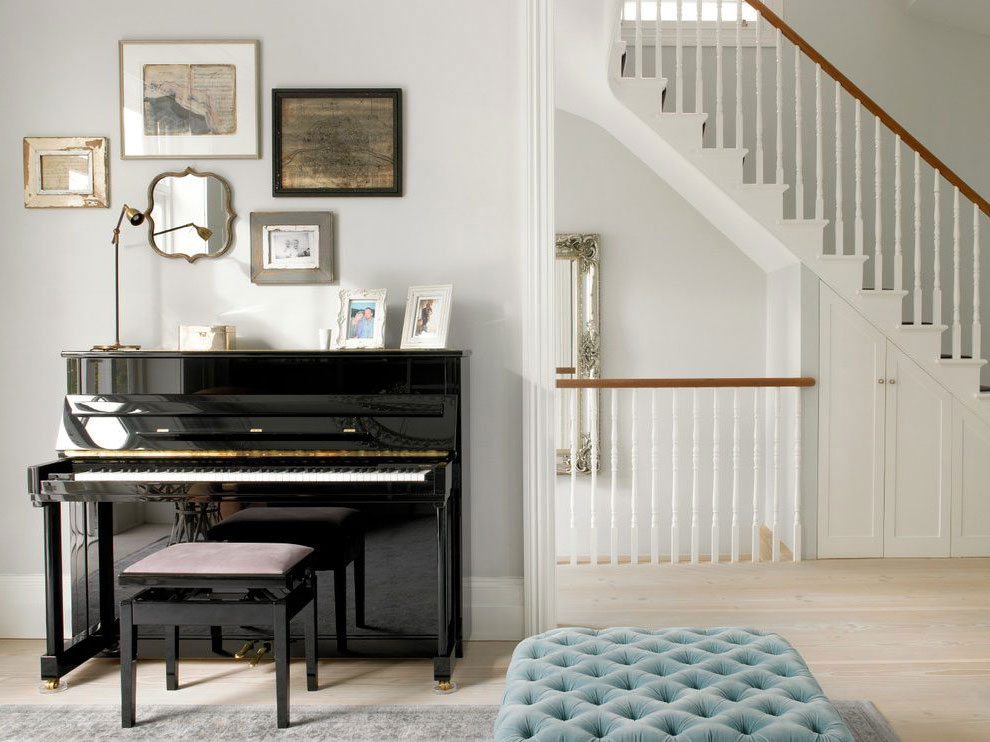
(590, 85)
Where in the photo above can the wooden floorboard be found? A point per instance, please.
(910, 635)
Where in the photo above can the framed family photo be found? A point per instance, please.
(184, 99)
(293, 247)
(66, 172)
(337, 142)
(361, 319)
(427, 317)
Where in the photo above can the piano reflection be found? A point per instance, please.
(146, 437)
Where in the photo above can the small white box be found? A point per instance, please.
(207, 337)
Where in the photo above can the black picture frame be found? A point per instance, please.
(281, 95)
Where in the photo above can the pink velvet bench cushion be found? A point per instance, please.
(202, 559)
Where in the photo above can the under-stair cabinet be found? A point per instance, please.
(904, 470)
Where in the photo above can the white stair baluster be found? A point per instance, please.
(977, 325)
(898, 215)
(634, 486)
(878, 211)
(798, 145)
(614, 530)
(658, 51)
(654, 481)
(679, 58)
(716, 460)
(593, 486)
(937, 253)
(840, 226)
(675, 508)
(759, 103)
(798, 525)
(739, 95)
(757, 473)
(859, 234)
(819, 144)
(719, 114)
(695, 480)
(639, 39)
(780, 110)
(917, 299)
(775, 502)
(734, 528)
(574, 454)
(956, 283)
(699, 82)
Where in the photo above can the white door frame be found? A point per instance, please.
(539, 558)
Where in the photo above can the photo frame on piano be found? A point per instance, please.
(361, 318)
(427, 317)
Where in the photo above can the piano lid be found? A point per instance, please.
(373, 425)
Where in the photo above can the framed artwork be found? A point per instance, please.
(291, 247)
(62, 172)
(427, 317)
(189, 99)
(337, 142)
(361, 320)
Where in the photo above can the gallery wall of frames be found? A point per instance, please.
(190, 100)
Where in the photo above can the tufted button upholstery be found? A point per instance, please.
(634, 685)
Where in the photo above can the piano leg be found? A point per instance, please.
(59, 659)
(443, 662)
(108, 601)
(458, 579)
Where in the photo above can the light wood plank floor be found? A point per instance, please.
(910, 635)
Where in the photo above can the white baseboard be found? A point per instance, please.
(493, 607)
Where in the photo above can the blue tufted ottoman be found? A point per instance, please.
(689, 685)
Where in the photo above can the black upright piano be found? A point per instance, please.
(145, 435)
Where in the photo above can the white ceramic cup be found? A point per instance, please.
(326, 335)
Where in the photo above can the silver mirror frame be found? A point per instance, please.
(585, 251)
(227, 205)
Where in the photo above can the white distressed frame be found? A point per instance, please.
(95, 148)
(443, 294)
(343, 311)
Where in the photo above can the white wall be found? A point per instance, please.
(460, 65)
(677, 299)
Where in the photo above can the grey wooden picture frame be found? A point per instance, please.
(322, 273)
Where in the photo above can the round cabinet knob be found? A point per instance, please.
(891, 381)
(879, 381)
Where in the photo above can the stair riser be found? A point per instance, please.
(724, 169)
(885, 311)
(846, 278)
(682, 131)
(642, 96)
(923, 346)
(767, 206)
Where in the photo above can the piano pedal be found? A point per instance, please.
(262, 650)
(243, 651)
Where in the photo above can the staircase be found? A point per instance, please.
(792, 161)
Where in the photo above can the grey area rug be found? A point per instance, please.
(334, 723)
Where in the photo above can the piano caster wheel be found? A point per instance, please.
(243, 651)
(56, 685)
(262, 650)
(445, 687)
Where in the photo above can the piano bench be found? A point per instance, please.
(335, 534)
(218, 584)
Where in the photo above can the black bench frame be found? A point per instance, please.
(218, 600)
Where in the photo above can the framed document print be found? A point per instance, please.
(337, 142)
(66, 172)
(291, 247)
(189, 99)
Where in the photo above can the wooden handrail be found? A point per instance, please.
(870, 105)
(729, 382)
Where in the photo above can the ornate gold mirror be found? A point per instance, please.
(190, 215)
(578, 338)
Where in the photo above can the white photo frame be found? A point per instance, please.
(427, 316)
(361, 318)
(66, 172)
(182, 99)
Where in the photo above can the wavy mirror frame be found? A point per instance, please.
(227, 205)
(585, 251)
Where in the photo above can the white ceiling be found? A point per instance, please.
(969, 15)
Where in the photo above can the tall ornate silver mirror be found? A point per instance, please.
(578, 333)
(190, 215)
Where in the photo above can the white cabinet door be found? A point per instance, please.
(851, 431)
(917, 489)
(970, 484)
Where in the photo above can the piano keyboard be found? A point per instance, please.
(253, 475)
